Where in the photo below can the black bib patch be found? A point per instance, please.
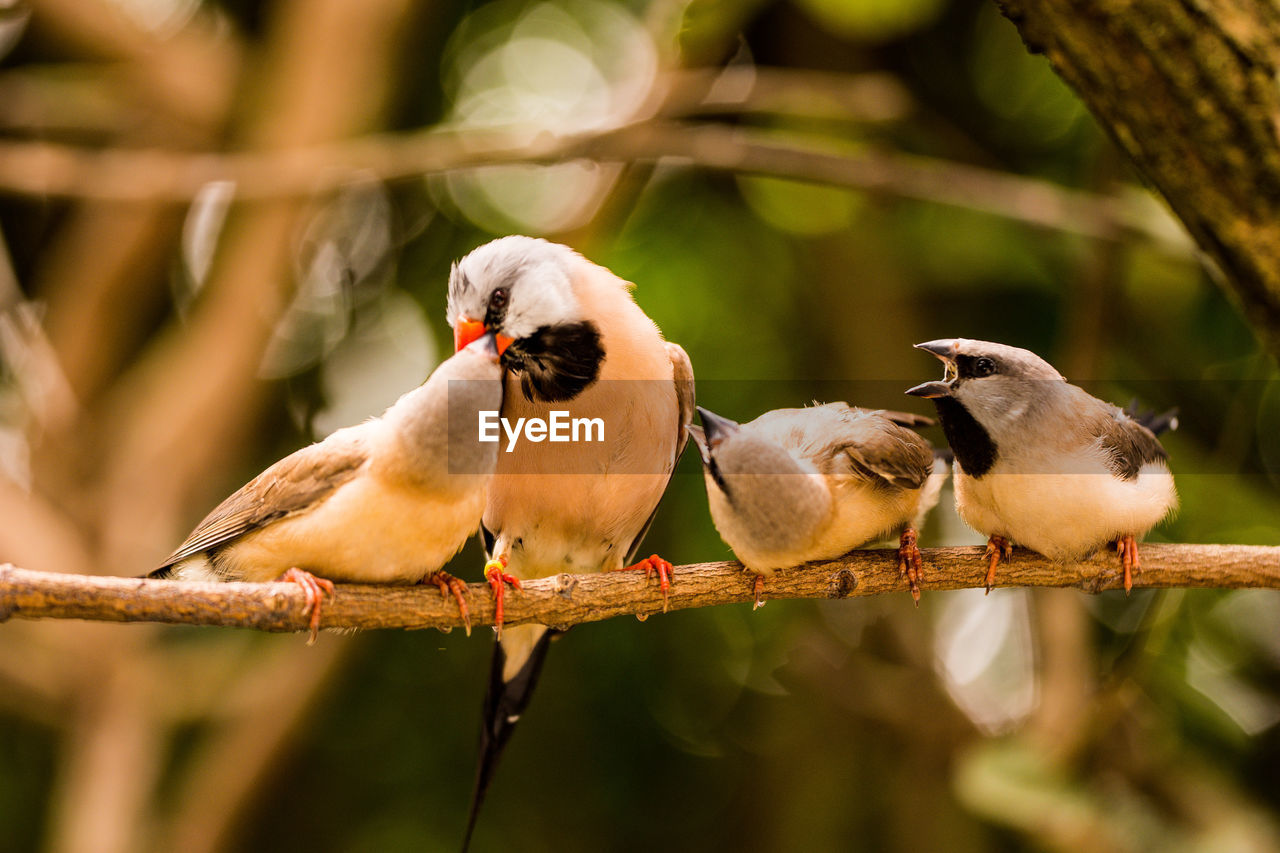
(969, 440)
(557, 363)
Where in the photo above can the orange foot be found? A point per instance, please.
(498, 579)
(997, 547)
(910, 566)
(1129, 558)
(757, 589)
(314, 589)
(449, 585)
(664, 569)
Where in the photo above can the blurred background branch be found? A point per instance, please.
(137, 175)
(225, 229)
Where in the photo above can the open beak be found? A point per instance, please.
(466, 330)
(930, 389)
(945, 349)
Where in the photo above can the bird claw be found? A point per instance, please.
(998, 547)
(757, 590)
(314, 589)
(449, 585)
(664, 569)
(1128, 549)
(495, 574)
(910, 565)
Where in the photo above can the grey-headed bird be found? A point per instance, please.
(387, 501)
(573, 340)
(1041, 462)
(796, 485)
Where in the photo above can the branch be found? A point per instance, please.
(566, 600)
(867, 97)
(51, 169)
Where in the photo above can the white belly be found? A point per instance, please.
(1065, 516)
(368, 531)
(860, 515)
(864, 515)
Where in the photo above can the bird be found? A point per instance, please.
(387, 501)
(572, 339)
(1041, 462)
(813, 483)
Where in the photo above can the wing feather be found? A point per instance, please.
(294, 484)
(886, 451)
(682, 377)
(1128, 444)
(869, 444)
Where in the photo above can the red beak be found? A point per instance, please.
(465, 331)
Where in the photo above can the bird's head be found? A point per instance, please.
(470, 381)
(729, 451)
(479, 359)
(763, 500)
(996, 383)
(521, 290)
(713, 439)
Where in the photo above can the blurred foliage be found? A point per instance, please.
(859, 725)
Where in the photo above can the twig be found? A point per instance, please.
(566, 600)
(868, 97)
(49, 169)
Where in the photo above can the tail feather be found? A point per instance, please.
(1157, 423)
(504, 702)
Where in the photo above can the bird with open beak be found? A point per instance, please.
(573, 339)
(796, 485)
(1040, 462)
(387, 501)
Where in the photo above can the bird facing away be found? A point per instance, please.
(796, 485)
(387, 501)
(1040, 462)
(573, 339)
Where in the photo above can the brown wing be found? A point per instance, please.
(876, 447)
(1128, 444)
(295, 483)
(682, 376)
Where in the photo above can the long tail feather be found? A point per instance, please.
(504, 702)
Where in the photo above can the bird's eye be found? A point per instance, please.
(984, 367)
(498, 299)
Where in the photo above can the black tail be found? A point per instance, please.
(504, 702)
(1164, 422)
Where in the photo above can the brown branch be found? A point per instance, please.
(566, 600)
(868, 97)
(49, 169)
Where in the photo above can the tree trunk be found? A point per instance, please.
(1188, 90)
